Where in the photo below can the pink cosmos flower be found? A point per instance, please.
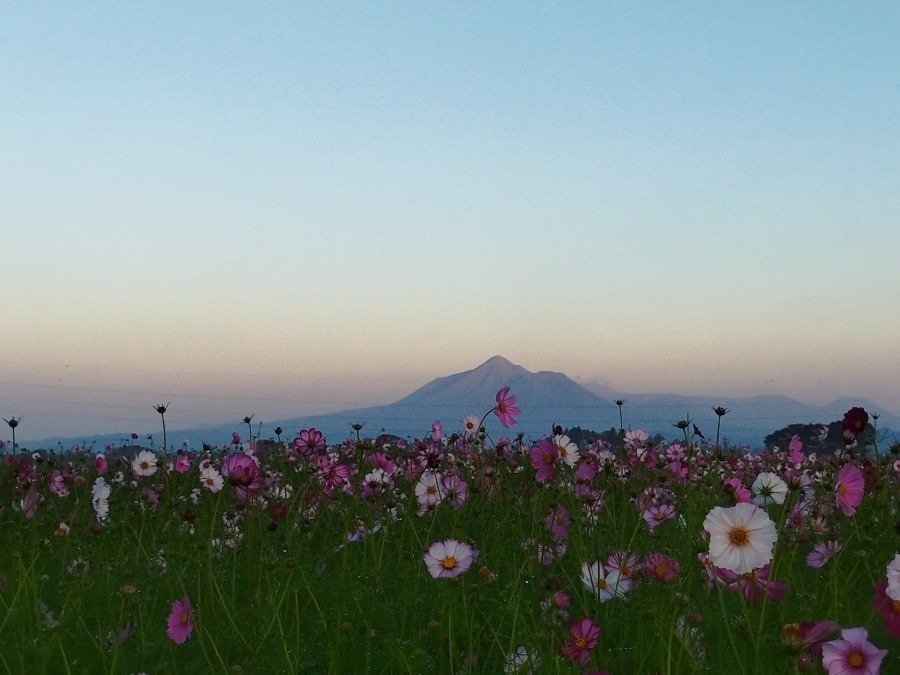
(794, 449)
(100, 463)
(848, 491)
(309, 442)
(449, 558)
(888, 608)
(179, 621)
(182, 463)
(738, 492)
(505, 408)
(543, 458)
(853, 654)
(661, 567)
(754, 584)
(30, 503)
(243, 473)
(455, 490)
(657, 513)
(557, 521)
(583, 634)
(822, 552)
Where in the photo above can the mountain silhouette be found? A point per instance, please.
(545, 398)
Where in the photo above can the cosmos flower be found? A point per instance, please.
(888, 608)
(179, 622)
(893, 578)
(144, 464)
(854, 422)
(849, 488)
(583, 634)
(768, 489)
(661, 567)
(822, 552)
(605, 585)
(741, 538)
(853, 654)
(100, 497)
(211, 479)
(543, 458)
(505, 409)
(449, 558)
(566, 449)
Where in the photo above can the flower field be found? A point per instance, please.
(452, 553)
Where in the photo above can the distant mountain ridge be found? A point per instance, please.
(546, 398)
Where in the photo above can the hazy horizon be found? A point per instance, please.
(129, 408)
(298, 208)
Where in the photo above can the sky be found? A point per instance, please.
(286, 208)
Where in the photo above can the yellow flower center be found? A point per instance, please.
(855, 659)
(548, 459)
(842, 489)
(145, 465)
(185, 617)
(895, 605)
(448, 563)
(601, 584)
(739, 535)
(580, 642)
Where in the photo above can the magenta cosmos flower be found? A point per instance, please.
(543, 458)
(449, 558)
(849, 488)
(888, 608)
(242, 472)
(505, 408)
(853, 654)
(583, 634)
(179, 621)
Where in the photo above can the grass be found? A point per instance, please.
(277, 586)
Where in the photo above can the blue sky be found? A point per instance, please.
(288, 208)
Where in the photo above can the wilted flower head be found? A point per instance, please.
(854, 422)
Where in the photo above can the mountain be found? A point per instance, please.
(545, 398)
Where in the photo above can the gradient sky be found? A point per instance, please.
(284, 208)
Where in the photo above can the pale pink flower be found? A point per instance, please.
(449, 558)
(822, 552)
(604, 585)
(566, 449)
(853, 654)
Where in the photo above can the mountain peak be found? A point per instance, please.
(498, 362)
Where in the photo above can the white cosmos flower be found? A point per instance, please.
(100, 497)
(741, 538)
(768, 489)
(604, 586)
(211, 479)
(893, 578)
(144, 464)
(566, 449)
